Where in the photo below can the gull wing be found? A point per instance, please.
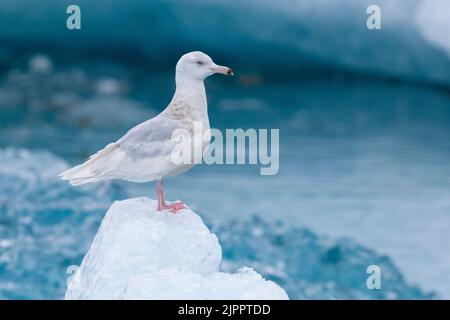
(141, 154)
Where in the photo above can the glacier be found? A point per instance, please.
(433, 23)
(46, 227)
(140, 253)
(312, 35)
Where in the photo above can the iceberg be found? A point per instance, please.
(310, 34)
(139, 253)
(433, 23)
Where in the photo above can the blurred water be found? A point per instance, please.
(309, 266)
(359, 158)
(46, 227)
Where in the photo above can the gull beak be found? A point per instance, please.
(223, 70)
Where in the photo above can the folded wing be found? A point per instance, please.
(143, 154)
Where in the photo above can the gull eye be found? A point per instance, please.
(200, 63)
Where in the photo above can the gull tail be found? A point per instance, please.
(94, 169)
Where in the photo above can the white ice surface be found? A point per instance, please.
(433, 20)
(139, 253)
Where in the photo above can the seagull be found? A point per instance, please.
(145, 153)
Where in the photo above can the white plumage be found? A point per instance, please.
(145, 152)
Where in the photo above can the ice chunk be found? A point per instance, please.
(139, 253)
(174, 284)
(433, 22)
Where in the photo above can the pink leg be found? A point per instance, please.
(173, 207)
(160, 194)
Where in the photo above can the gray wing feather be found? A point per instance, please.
(150, 139)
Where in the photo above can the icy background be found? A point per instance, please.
(364, 121)
(48, 226)
(141, 253)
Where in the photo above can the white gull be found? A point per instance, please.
(145, 153)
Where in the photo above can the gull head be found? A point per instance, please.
(197, 66)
